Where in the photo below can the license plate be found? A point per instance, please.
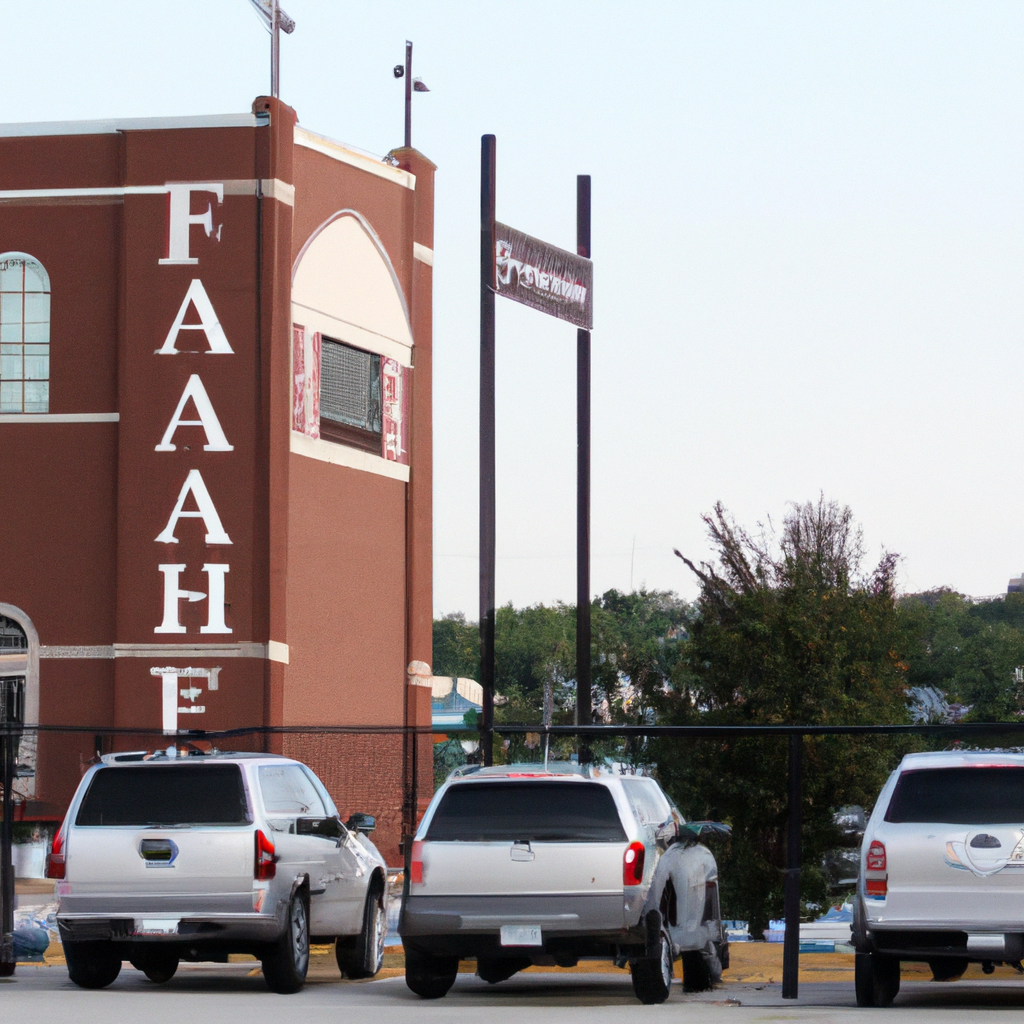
(521, 935)
(157, 926)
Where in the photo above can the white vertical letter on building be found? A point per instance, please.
(215, 602)
(181, 218)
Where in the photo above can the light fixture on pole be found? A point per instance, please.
(411, 85)
(275, 21)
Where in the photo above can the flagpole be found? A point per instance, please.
(275, 50)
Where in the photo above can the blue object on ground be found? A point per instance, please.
(30, 942)
(817, 946)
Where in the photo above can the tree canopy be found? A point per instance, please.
(790, 627)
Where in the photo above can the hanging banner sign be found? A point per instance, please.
(553, 280)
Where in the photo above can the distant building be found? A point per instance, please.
(215, 420)
(1016, 585)
(450, 700)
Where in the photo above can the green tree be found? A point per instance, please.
(969, 652)
(456, 647)
(638, 644)
(788, 632)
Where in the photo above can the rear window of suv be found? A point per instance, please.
(211, 794)
(570, 812)
(959, 796)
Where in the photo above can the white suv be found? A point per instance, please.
(519, 865)
(942, 870)
(161, 859)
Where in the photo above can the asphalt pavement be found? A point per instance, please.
(236, 993)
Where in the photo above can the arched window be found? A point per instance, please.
(19, 689)
(13, 670)
(24, 334)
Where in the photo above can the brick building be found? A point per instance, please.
(215, 441)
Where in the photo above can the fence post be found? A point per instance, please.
(8, 749)
(791, 946)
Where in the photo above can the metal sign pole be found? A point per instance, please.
(487, 492)
(791, 945)
(8, 751)
(584, 705)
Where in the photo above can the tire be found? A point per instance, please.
(876, 979)
(364, 957)
(286, 962)
(92, 964)
(158, 967)
(430, 977)
(500, 969)
(652, 976)
(699, 971)
(948, 968)
(723, 955)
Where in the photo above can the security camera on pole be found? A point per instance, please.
(411, 85)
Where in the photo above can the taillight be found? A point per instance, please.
(265, 865)
(876, 881)
(876, 857)
(56, 866)
(633, 864)
(416, 864)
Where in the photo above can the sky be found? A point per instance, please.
(808, 243)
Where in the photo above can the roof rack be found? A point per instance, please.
(529, 768)
(181, 754)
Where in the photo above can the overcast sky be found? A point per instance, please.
(808, 236)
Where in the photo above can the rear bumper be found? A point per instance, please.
(929, 944)
(237, 932)
(996, 940)
(471, 925)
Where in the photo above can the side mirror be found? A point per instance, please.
(360, 822)
(328, 828)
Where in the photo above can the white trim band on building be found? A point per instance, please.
(269, 188)
(110, 126)
(353, 157)
(423, 254)
(342, 455)
(272, 651)
(60, 417)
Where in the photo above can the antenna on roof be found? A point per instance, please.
(275, 21)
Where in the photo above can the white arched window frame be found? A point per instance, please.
(352, 344)
(23, 660)
(24, 334)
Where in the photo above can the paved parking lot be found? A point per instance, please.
(235, 993)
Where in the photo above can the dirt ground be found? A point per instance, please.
(751, 963)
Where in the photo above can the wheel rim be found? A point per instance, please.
(666, 962)
(380, 932)
(300, 937)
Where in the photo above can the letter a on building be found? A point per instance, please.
(206, 510)
(208, 323)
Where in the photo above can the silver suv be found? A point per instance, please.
(519, 865)
(941, 870)
(167, 858)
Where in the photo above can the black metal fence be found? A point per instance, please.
(388, 771)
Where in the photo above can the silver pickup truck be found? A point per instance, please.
(161, 859)
(522, 865)
(942, 870)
